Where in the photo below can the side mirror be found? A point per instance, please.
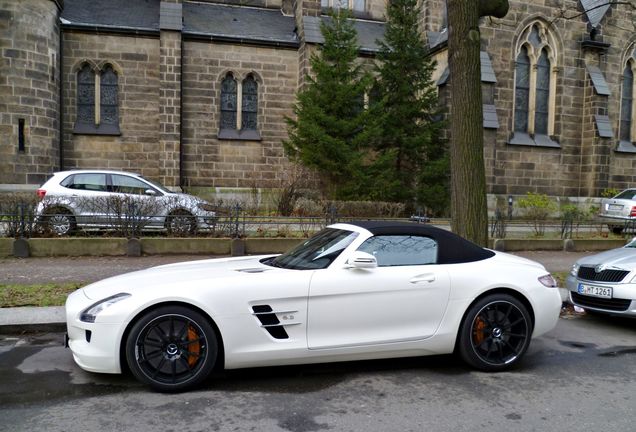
(150, 192)
(362, 260)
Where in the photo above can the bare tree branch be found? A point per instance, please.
(563, 15)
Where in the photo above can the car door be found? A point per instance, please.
(402, 299)
(134, 205)
(87, 190)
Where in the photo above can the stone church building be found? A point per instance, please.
(195, 93)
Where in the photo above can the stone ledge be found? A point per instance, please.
(252, 246)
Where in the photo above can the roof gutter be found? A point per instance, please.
(123, 30)
(242, 41)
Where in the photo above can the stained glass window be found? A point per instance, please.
(109, 112)
(522, 90)
(626, 104)
(249, 104)
(86, 95)
(534, 37)
(228, 102)
(542, 94)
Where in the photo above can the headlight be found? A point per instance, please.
(206, 206)
(548, 281)
(89, 314)
(574, 271)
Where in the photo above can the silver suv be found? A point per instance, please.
(109, 199)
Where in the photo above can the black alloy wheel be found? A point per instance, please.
(171, 349)
(495, 333)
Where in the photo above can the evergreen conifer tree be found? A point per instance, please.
(328, 132)
(410, 154)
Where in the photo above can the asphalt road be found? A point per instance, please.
(579, 377)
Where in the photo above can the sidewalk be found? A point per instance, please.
(91, 269)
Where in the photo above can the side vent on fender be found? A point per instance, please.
(269, 321)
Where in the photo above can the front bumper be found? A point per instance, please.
(95, 346)
(622, 303)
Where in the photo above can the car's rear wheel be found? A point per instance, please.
(618, 230)
(495, 333)
(181, 222)
(59, 221)
(172, 348)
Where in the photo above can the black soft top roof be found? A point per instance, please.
(452, 249)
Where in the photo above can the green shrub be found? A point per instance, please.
(537, 208)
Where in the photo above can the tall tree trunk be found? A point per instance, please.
(469, 211)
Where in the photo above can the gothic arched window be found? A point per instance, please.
(228, 102)
(249, 104)
(627, 105)
(86, 96)
(108, 104)
(97, 101)
(239, 108)
(535, 87)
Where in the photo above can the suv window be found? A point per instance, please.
(86, 181)
(128, 185)
(401, 250)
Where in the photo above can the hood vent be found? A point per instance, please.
(253, 270)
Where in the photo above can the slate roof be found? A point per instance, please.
(487, 72)
(212, 21)
(436, 39)
(116, 14)
(595, 10)
(368, 33)
(490, 120)
(598, 80)
(603, 126)
(239, 23)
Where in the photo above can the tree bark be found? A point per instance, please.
(469, 212)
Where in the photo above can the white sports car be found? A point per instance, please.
(354, 291)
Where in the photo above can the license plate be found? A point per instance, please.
(615, 207)
(595, 291)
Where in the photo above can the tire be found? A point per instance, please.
(181, 222)
(495, 333)
(171, 349)
(60, 221)
(618, 230)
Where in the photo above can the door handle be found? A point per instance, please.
(423, 278)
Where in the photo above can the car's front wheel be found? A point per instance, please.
(181, 222)
(495, 333)
(171, 348)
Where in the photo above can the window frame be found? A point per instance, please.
(435, 260)
(239, 132)
(335, 4)
(96, 127)
(630, 64)
(536, 39)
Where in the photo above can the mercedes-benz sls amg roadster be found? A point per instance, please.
(353, 291)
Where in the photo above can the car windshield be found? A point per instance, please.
(626, 194)
(155, 184)
(317, 252)
(631, 244)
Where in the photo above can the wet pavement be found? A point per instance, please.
(580, 376)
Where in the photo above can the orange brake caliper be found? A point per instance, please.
(478, 331)
(194, 348)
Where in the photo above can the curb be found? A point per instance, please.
(32, 319)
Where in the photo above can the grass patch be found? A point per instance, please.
(560, 278)
(14, 295)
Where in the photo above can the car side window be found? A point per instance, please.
(128, 185)
(87, 181)
(401, 250)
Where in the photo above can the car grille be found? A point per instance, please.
(588, 273)
(618, 305)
